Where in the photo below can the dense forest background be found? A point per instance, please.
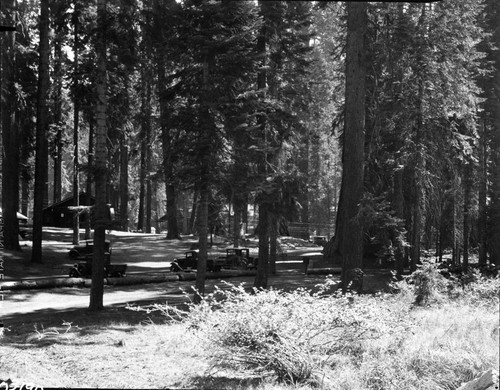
(197, 116)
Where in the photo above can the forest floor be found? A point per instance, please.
(50, 339)
(143, 253)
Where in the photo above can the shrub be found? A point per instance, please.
(291, 335)
(427, 285)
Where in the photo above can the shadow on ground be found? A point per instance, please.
(224, 382)
(49, 326)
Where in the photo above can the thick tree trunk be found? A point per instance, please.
(167, 137)
(172, 225)
(41, 132)
(494, 209)
(10, 135)
(205, 157)
(351, 229)
(101, 219)
(261, 278)
(76, 124)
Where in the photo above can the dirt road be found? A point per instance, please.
(22, 310)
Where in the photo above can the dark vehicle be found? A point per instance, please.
(85, 252)
(84, 270)
(239, 258)
(319, 240)
(190, 262)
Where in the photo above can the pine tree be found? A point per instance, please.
(349, 228)
(10, 133)
(41, 132)
(101, 218)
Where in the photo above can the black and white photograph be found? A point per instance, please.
(250, 194)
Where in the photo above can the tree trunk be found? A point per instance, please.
(398, 205)
(10, 136)
(468, 172)
(101, 220)
(273, 244)
(261, 279)
(76, 120)
(192, 217)
(263, 265)
(205, 157)
(482, 227)
(236, 221)
(353, 155)
(124, 181)
(90, 162)
(90, 177)
(172, 225)
(147, 139)
(494, 209)
(149, 189)
(58, 146)
(201, 269)
(41, 132)
(142, 187)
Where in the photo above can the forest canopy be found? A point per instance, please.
(253, 117)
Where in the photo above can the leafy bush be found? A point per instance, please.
(291, 335)
(427, 285)
(482, 290)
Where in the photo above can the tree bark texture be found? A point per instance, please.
(101, 154)
(10, 135)
(261, 279)
(42, 125)
(194, 208)
(467, 188)
(483, 187)
(494, 209)
(124, 182)
(201, 270)
(351, 229)
(76, 124)
(58, 146)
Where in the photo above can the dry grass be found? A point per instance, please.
(121, 356)
(446, 344)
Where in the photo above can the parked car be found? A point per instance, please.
(319, 240)
(84, 270)
(85, 251)
(239, 258)
(190, 263)
(235, 258)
